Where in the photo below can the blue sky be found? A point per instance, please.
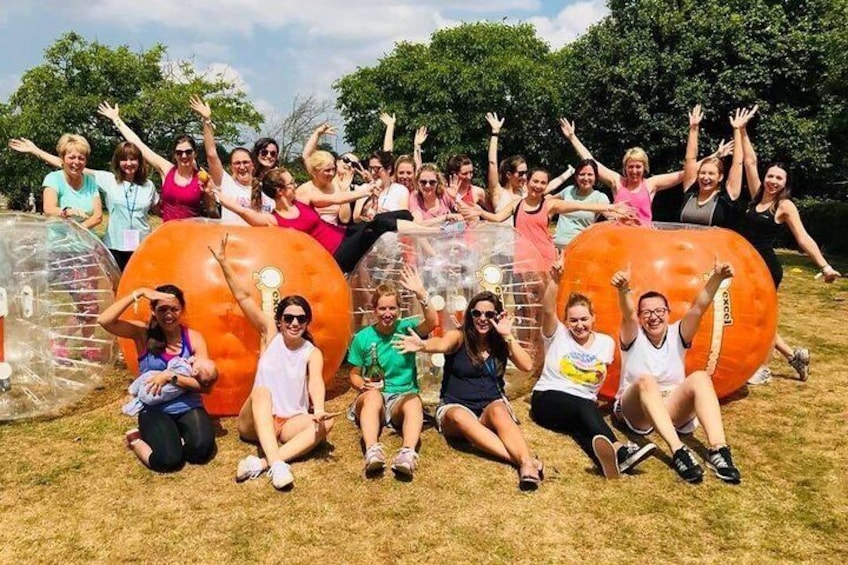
(276, 49)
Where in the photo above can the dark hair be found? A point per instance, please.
(784, 194)
(535, 170)
(127, 150)
(509, 166)
(255, 191)
(261, 144)
(651, 294)
(455, 163)
(474, 343)
(587, 162)
(294, 300)
(156, 340)
(271, 181)
(185, 139)
(386, 158)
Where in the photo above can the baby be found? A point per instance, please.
(203, 370)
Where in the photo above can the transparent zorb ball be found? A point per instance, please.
(55, 279)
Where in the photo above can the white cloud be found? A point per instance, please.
(8, 85)
(570, 23)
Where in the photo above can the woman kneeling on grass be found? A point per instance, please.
(288, 376)
(393, 401)
(179, 430)
(473, 405)
(566, 395)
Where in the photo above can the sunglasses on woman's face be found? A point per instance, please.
(268, 153)
(432, 182)
(521, 173)
(289, 318)
(184, 152)
(488, 314)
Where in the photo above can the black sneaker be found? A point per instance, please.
(629, 455)
(721, 462)
(686, 466)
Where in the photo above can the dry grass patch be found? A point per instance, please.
(72, 493)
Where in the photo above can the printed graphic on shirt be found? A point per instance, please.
(582, 368)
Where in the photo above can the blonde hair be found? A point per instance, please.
(72, 141)
(635, 154)
(319, 159)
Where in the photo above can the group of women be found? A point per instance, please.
(346, 207)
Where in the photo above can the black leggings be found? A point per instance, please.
(359, 238)
(121, 258)
(176, 439)
(578, 417)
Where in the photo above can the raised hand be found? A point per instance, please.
(556, 268)
(411, 343)
(411, 281)
(325, 129)
(388, 119)
(200, 107)
(420, 136)
(742, 116)
(108, 111)
(695, 116)
(723, 269)
(494, 123)
(621, 279)
(725, 148)
(221, 254)
(567, 128)
(152, 295)
(502, 324)
(23, 145)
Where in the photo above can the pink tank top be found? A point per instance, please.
(328, 235)
(640, 200)
(444, 205)
(179, 202)
(534, 250)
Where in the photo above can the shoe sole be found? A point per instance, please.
(606, 456)
(375, 467)
(402, 472)
(642, 454)
(729, 480)
(288, 486)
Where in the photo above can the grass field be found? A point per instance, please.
(71, 492)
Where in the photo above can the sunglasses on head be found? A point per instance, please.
(488, 314)
(183, 152)
(432, 182)
(268, 153)
(289, 318)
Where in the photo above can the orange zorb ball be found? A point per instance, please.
(736, 333)
(271, 262)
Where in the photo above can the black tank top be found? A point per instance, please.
(468, 384)
(760, 228)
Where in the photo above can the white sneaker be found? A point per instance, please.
(249, 468)
(761, 377)
(281, 475)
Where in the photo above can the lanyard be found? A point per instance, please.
(135, 199)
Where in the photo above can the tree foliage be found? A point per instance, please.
(62, 95)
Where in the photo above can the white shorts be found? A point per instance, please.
(442, 409)
(687, 428)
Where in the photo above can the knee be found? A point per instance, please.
(166, 461)
(325, 427)
(372, 400)
(499, 414)
(199, 449)
(701, 380)
(647, 384)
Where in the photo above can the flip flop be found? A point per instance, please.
(530, 481)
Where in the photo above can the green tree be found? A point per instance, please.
(62, 95)
(450, 84)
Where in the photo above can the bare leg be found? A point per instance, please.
(300, 435)
(263, 421)
(461, 423)
(408, 412)
(696, 396)
(496, 416)
(141, 450)
(370, 412)
(244, 423)
(783, 347)
(643, 407)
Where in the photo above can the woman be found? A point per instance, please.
(130, 196)
(566, 395)
(390, 196)
(322, 170)
(347, 244)
(472, 403)
(182, 196)
(237, 184)
(430, 204)
(393, 401)
(571, 224)
(770, 208)
(631, 187)
(459, 171)
(404, 168)
(179, 431)
(508, 181)
(265, 154)
(705, 202)
(288, 377)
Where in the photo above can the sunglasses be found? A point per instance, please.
(289, 318)
(432, 182)
(183, 152)
(488, 314)
(268, 153)
(375, 169)
(658, 312)
(521, 173)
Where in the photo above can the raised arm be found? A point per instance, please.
(607, 175)
(412, 343)
(492, 172)
(629, 316)
(733, 184)
(549, 300)
(556, 184)
(389, 136)
(216, 168)
(808, 245)
(690, 167)
(749, 156)
(411, 281)
(24, 145)
(417, 142)
(135, 330)
(113, 113)
(264, 324)
(692, 319)
(311, 144)
(320, 199)
(517, 354)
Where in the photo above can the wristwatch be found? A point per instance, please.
(174, 379)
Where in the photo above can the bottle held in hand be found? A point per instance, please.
(374, 373)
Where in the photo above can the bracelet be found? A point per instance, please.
(135, 302)
(826, 266)
(209, 122)
(627, 290)
(495, 133)
(424, 301)
(509, 339)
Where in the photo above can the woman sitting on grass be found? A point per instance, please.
(472, 403)
(288, 376)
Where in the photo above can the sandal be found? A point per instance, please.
(529, 476)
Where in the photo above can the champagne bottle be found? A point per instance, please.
(374, 372)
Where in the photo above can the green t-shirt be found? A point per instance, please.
(400, 373)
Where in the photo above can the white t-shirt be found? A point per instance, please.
(284, 373)
(666, 363)
(572, 368)
(240, 193)
(392, 199)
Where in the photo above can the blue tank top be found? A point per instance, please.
(471, 385)
(149, 361)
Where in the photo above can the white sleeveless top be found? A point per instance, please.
(283, 372)
(665, 363)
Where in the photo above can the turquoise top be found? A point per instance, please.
(69, 197)
(571, 224)
(128, 205)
